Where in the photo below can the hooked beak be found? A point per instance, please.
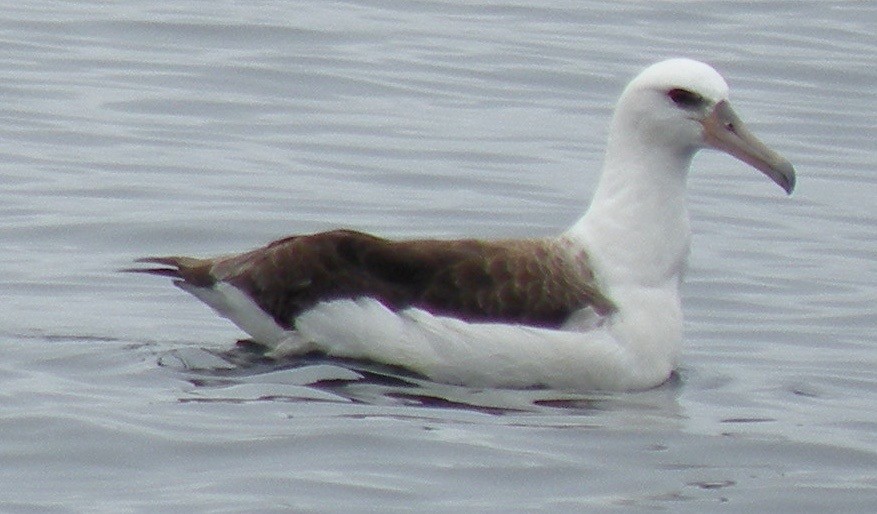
(723, 130)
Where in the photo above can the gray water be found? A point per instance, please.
(141, 128)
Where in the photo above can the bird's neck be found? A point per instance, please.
(636, 230)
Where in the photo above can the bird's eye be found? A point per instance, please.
(685, 98)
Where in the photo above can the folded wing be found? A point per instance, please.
(521, 281)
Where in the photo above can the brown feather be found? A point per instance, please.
(194, 271)
(520, 281)
(510, 281)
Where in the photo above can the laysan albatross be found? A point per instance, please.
(596, 307)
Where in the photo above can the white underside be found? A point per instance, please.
(586, 355)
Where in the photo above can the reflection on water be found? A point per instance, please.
(225, 374)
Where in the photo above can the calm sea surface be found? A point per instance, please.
(141, 128)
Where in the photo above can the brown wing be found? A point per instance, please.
(508, 281)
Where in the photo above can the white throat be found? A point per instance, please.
(636, 235)
(636, 230)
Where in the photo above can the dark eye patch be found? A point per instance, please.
(685, 98)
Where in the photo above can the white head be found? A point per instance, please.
(681, 106)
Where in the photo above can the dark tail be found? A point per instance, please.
(185, 268)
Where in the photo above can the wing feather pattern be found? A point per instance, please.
(520, 281)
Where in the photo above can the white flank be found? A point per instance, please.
(230, 302)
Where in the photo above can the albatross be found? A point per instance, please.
(596, 307)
